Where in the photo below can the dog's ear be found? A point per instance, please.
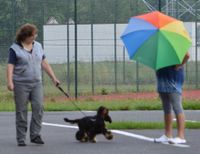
(104, 113)
(108, 118)
(100, 110)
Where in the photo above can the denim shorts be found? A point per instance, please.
(171, 101)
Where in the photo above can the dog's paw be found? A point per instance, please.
(93, 140)
(82, 137)
(109, 135)
(66, 119)
(83, 140)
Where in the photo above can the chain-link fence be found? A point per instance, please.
(82, 41)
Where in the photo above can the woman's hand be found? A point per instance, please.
(177, 67)
(10, 86)
(56, 82)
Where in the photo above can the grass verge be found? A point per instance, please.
(147, 125)
(122, 105)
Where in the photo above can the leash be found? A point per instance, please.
(67, 95)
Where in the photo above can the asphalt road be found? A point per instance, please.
(59, 136)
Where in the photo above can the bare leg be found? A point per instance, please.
(168, 124)
(180, 118)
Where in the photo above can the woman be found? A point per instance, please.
(25, 63)
(169, 85)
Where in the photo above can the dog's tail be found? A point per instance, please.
(71, 121)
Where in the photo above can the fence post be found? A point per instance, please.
(115, 43)
(124, 66)
(196, 53)
(159, 5)
(13, 17)
(75, 48)
(92, 43)
(137, 77)
(68, 48)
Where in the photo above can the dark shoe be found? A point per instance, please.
(22, 144)
(37, 140)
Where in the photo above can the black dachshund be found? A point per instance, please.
(90, 126)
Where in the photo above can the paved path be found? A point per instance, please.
(152, 116)
(59, 139)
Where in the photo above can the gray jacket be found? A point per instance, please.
(28, 66)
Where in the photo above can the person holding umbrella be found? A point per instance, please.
(161, 42)
(25, 63)
(169, 86)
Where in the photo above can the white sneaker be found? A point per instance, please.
(163, 138)
(177, 140)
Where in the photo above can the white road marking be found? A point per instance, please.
(191, 121)
(141, 137)
(59, 125)
(90, 111)
(188, 120)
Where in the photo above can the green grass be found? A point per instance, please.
(147, 125)
(123, 105)
(112, 105)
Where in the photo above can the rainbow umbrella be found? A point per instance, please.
(156, 40)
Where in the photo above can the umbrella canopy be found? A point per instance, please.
(156, 40)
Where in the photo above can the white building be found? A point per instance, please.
(55, 42)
